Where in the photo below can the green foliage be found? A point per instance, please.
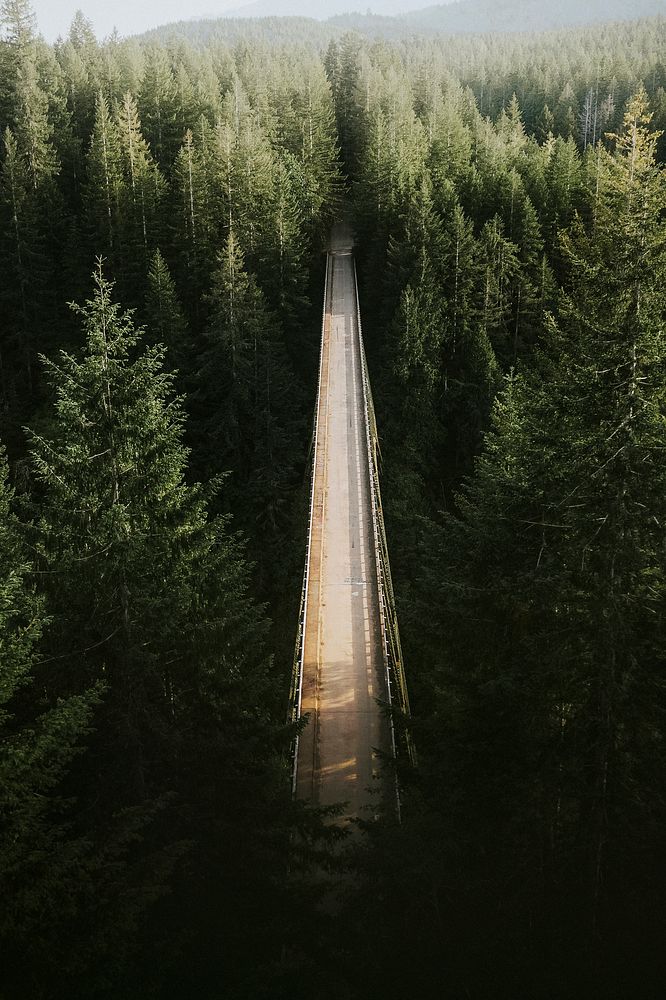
(532, 614)
(549, 684)
(40, 859)
(149, 596)
(159, 99)
(140, 196)
(166, 321)
(508, 207)
(245, 406)
(125, 541)
(103, 178)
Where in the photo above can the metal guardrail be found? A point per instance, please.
(396, 683)
(296, 693)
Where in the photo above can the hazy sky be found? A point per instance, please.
(129, 16)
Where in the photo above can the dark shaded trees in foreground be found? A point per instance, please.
(147, 824)
(533, 613)
(154, 657)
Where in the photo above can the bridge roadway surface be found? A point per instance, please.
(343, 665)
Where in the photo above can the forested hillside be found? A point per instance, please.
(164, 204)
(323, 11)
(528, 15)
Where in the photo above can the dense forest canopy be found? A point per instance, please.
(164, 205)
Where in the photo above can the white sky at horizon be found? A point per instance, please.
(128, 16)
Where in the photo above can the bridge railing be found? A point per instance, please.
(396, 683)
(296, 692)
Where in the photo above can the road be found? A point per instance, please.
(343, 666)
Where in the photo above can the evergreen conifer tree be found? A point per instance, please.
(104, 181)
(195, 224)
(149, 596)
(44, 865)
(159, 103)
(140, 200)
(244, 412)
(166, 322)
(125, 542)
(559, 552)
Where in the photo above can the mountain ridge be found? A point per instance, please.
(459, 17)
(455, 16)
(325, 11)
(476, 16)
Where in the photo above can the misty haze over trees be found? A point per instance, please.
(165, 202)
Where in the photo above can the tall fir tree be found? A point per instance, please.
(166, 322)
(559, 553)
(141, 195)
(117, 449)
(45, 864)
(103, 181)
(149, 595)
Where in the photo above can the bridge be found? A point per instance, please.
(348, 662)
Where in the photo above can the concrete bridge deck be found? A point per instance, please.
(343, 669)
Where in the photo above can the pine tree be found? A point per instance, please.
(373, 195)
(76, 69)
(532, 290)
(31, 207)
(559, 553)
(186, 108)
(195, 221)
(43, 864)
(451, 145)
(317, 152)
(612, 328)
(281, 271)
(545, 127)
(511, 129)
(115, 514)
(19, 18)
(469, 365)
(227, 368)
(25, 294)
(140, 200)
(166, 322)
(500, 257)
(150, 594)
(342, 68)
(416, 350)
(34, 131)
(104, 181)
(244, 414)
(158, 100)
(18, 245)
(82, 33)
(564, 181)
(254, 170)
